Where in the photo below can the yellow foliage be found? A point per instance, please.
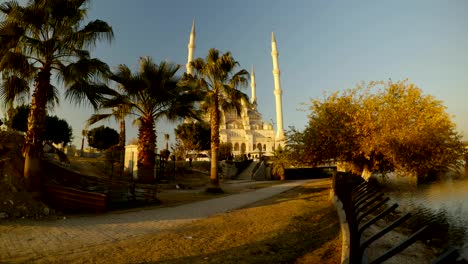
(384, 126)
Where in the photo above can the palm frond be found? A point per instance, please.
(239, 79)
(154, 91)
(79, 91)
(84, 69)
(93, 32)
(213, 56)
(10, 35)
(13, 88)
(16, 63)
(82, 53)
(233, 100)
(128, 83)
(32, 17)
(53, 98)
(200, 66)
(7, 7)
(70, 11)
(96, 118)
(118, 100)
(183, 108)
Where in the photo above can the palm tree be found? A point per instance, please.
(219, 86)
(119, 113)
(84, 133)
(151, 94)
(281, 160)
(45, 37)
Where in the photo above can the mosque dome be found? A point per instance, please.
(267, 126)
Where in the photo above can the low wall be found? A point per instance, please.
(309, 173)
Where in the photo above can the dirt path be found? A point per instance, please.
(81, 238)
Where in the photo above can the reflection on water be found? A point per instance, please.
(445, 203)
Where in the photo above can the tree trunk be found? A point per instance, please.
(10, 115)
(32, 150)
(146, 150)
(282, 173)
(122, 134)
(466, 167)
(366, 173)
(122, 145)
(214, 179)
(82, 147)
(84, 133)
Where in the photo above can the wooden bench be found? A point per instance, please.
(71, 198)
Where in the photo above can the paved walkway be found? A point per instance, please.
(24, 240)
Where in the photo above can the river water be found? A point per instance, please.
(445, 203)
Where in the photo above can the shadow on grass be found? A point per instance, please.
(298, 193)
(303, 235)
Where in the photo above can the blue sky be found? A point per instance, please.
(323, 46)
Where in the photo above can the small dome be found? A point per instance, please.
(267, 125)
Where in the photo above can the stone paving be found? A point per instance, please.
(27, 240)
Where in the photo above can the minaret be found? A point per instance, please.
(276, 76)
(191, 49)
(253, 100)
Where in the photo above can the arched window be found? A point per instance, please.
(243, 148)
(236, 147)
(264, 147)
(259, 146)
(253, 148)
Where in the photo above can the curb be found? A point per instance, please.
(345, 239)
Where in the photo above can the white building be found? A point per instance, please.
(130, 161)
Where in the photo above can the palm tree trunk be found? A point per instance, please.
(122, 134)
(82, 147)
(122, 145)
(146, 150)
(214, 179)
(84, 133)
(33, 148)
(10, 114)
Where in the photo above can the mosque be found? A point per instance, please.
(247, 132)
